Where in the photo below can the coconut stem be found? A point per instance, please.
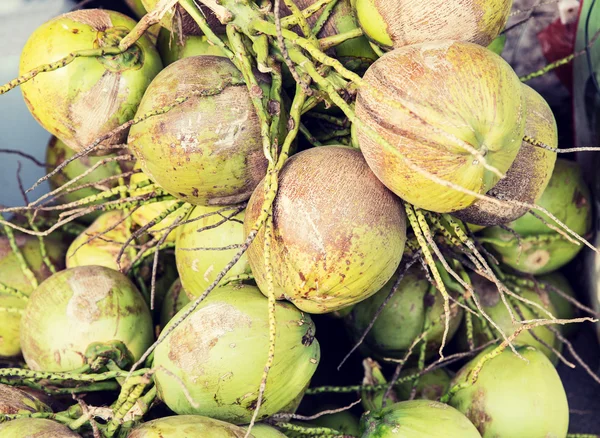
(63, 419)
(124, 404)
(334, 40)
(236, 278)
(78, 376)
(323, 17)
(291, 20)
(7, 290)
(19, 255)
(111, 51)
(312, 431)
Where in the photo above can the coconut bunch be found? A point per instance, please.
(228, 176)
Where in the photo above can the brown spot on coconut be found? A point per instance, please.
(529, 174)
(334, 222)
(207, 150)
(78, 108)
(422, 100)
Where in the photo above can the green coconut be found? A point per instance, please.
(402, 319)
(542, 249)
(397, 23)
(78, 307)
(175, 300)
(417, 419)
(90, 96)
(564, 308)
(145, 214)
(35, 428)
(492, 304)
(188, 426)
(14, 401)
(447, 111)
(356, 53)
(497, 45)
(207, 150)
(204, 352)
(529, 174)
(101, 243)
(57, 153)
(338, 233)
(199, 268)
(343, 422)
(513, 397)
(173, 47)
(12, 275)
(264, 431)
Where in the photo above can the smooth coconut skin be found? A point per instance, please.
(175, 300)
(90, 96)
(402, 319)
(35, 427)
(417, 419)
(397, 23)
(207, 150)
(492, 304)
(264, 431)
(109, 233)
(12, 275)
(543, 250)
(338, 233)
(198, 269)
(80, 306)
(435, 81)
(188, 426)
(145, 214)
(514, 397)
(218, 354)
(57, 153)
(14, 401)
(173, 47)
(529, 174)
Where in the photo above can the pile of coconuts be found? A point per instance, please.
(227, 177)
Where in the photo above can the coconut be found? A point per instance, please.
(264, 431)
(417, 419)
(78, 307)
(199, 268)
(447, 111)
(35, 427)
(402, 319)
(338, 233)
(564, 308)
(173, 47)
(529, 174)
(202, 354)
(14, 401)
(514, 397)
(57, 153)
(542, 338)
(12, 275)
(207, 150)
(397, 23)
(543, 250)
(187, 426)
(101, 243)
(174, 301)
(92, 95)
